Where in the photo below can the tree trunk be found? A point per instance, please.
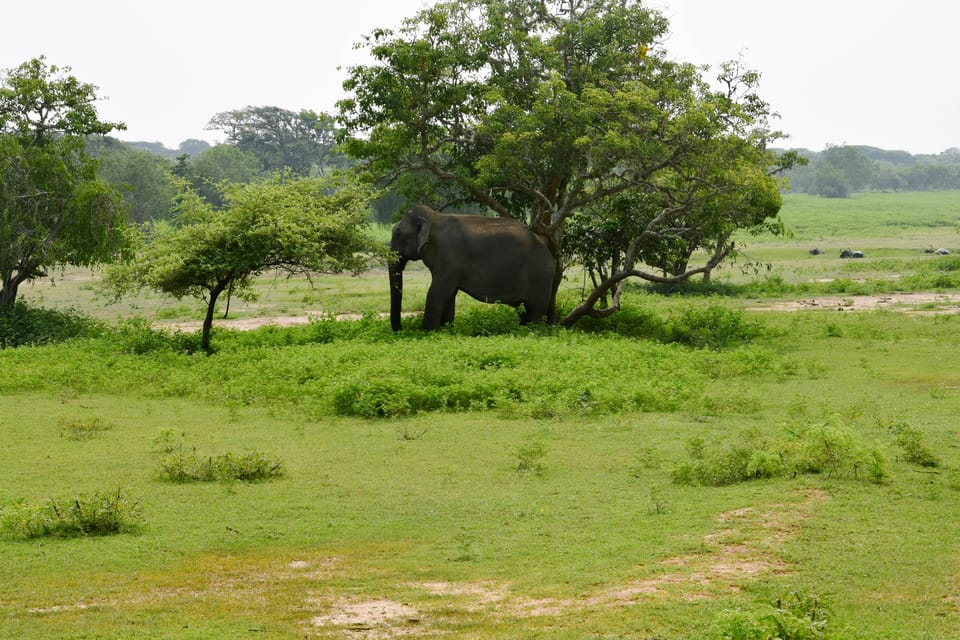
(208, 319)
(8, 291)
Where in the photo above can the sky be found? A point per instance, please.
(864, 72)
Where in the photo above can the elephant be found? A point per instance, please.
(491, 259)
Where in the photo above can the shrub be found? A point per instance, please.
(395, 397)
(488, 320)
(835, 451)
(530, 458)
(911, 444)
(821, 448)
(798, 617)
(136, 336)
(250, 467)
(22, 326)
(103, 513)
(711, 326)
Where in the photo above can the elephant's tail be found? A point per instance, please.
(396, 292)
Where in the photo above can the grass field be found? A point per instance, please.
(693, 469)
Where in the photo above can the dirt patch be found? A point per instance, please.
(372, 619)
(920, 303)
(745, 547)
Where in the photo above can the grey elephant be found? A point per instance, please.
(491, 259)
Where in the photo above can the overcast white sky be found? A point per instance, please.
(873, 72)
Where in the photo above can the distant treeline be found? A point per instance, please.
(838, 171)
(259, 141)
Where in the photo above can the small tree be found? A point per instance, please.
(297, 226)
(53, 208)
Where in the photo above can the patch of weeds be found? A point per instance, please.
(394, 398)
(806, 449)
(249, 467)
(647, 458)
(100, 514)
(488, 320)
(658, 501)
(530, 459)
(465, 542)
(77, 429)
(796, 617)
(136, 336)
(711, 327)
(169, 441)
(912, 446)
(405, 434)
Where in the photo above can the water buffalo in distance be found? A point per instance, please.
(847, 253)
(816, 252)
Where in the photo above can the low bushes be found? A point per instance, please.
(103, 513)
(823, 448)
(248, 467)
(23, 325)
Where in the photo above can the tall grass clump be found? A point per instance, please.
(182, 468)
(78, 429)
(102, 513)
(22, 325)
(711, 326)
(824, 449)
(797, 617)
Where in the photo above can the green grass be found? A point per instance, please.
(490, 482)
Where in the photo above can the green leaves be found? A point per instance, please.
(291, 224)
(53, 209)
(546, 111)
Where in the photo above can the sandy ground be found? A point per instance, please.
(919, 303)
(923, 303)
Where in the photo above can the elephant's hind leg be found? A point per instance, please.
(440, 307)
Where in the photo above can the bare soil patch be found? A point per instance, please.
(745, 547)
(920, 303)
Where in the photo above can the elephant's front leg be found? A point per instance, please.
(441, 302)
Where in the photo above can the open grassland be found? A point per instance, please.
(692, 469)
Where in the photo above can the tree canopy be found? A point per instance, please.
(549, 111)
(294, 225)
(53, 208)
(301, 141)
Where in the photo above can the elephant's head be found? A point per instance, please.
(409, 237)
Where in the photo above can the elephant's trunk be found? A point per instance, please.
(396, 292)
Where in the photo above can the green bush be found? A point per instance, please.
(396, 397)
(103, 513)
(711, 326)
(250, 467)
(136, 336)
(22, 326)
(798, 617)
(807, 449)
(911, 444)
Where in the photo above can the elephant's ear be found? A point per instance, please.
(423, 234)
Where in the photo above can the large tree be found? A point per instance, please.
(546, 110)
(294, 225)
(53, 208)
(301, 141)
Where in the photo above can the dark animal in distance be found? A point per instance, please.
(847, 253)
(816, 252)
